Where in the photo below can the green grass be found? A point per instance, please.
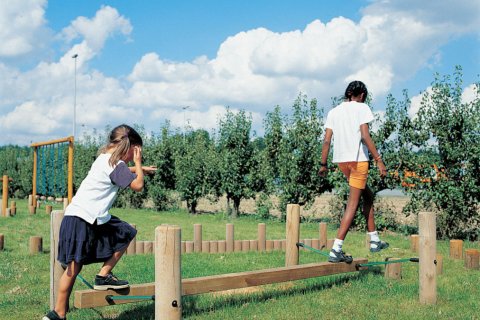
(24, 279)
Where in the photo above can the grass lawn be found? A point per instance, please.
(24, 279)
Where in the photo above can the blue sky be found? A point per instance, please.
(143, 61)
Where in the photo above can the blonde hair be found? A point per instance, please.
(121, 138)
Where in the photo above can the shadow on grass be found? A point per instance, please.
(191, 307)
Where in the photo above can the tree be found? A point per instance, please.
(160, 152)
(235, 151)
(193, 168)
(299, 154)
(448, 164)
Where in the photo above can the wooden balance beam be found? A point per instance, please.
(221, 282)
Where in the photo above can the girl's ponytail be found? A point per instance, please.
(122, 138)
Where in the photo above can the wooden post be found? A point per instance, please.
(56, 269)
(427, 254)
(261, 237)
(245, 245)
(189, 247)
(315, 243)
(48, 209)
(132, 247)
(229, 237)
(456, 249)
(439, 266)
(330, 244)
(367, 242)
(472, 259)
(168, 274)
(5, 196)
(237, 245)
(253, 245)
(222, 246)
(148, 247)
(139, 247)
(184, 247)
(205, 247)
(414, 238)
(393, 270)
(2, 241)
(34, 181)
(269, 245)
(13, 208)
(36, 244)
(322, 232)
(293, 234)
(197, 237)
(213, 246)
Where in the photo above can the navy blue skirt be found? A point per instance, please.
(88, 243)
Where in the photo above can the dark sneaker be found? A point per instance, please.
(380, 246)
(339, 257)
(52, 315)
(109, 282)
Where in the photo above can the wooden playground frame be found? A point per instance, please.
(35, 147)
(169, 287)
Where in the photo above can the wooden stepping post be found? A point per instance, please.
(322, 232)
(456, 249)
(36, 245)
(414, 238)
(229, 237)
(293, 234)
(393, 270)
(132, 247)
(472, 259)
(168, 275)
(427, 254)
(56, 269)
(197, 237)
(262, 230)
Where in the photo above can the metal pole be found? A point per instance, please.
(75, 95)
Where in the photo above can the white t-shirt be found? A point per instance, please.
(345, 120)
(99, 189)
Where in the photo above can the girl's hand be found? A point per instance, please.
(149, 169)
(381, 168)
(137, 155)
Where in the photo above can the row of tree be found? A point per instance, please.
(433, 156)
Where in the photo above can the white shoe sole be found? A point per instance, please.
(106, 287)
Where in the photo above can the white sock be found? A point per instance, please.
(373, 237)
(337, 245)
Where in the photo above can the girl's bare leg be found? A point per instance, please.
(368, 211)
(110, 263)
(352, 205)
(65, 286)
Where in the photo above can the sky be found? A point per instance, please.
(186, 62)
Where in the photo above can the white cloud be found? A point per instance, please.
(253, 70)
(106, 23)
(22, 27)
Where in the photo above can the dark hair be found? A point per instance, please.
(354, 89)
(121, 137)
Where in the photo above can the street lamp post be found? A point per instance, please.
(75, 95)
(184, 123)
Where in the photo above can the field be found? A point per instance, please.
(24, 278)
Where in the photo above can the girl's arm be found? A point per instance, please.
(325, 150)
(137, 183)
(373, 150)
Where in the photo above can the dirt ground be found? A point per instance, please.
(319, 209)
